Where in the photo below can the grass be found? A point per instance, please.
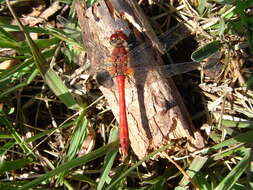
(57, 132)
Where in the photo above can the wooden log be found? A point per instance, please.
(155, 110)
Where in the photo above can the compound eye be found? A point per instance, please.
(112, 40)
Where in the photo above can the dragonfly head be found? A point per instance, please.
(118, 39)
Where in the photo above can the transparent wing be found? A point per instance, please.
(143, 73)
(168, 39)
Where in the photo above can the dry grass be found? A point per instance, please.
(40, 134)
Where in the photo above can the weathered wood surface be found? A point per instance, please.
(156, 113)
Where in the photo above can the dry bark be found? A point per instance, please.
(156, 113)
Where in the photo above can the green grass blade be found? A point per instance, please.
(6, 147)
(15, 28)
(40, 43)
(91, 2)
(242, 138)
(7, 36)
(238, 124)
(7, 74)
(202, 181)
(109, 160)
(47, 132)
(13, 165)
(59, 89)
(228, 182)
(9, 44)
(60, 34)
(84, 178)
(78, 137)
(12, 185)
(4, 120)
(5, 136)
(20, 85)
(206, 51)
(194, 168)
(71, 164)
(124, 174)
(66, 38)
(51, 78)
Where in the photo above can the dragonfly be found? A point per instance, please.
(118, 65)
(120, 68)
